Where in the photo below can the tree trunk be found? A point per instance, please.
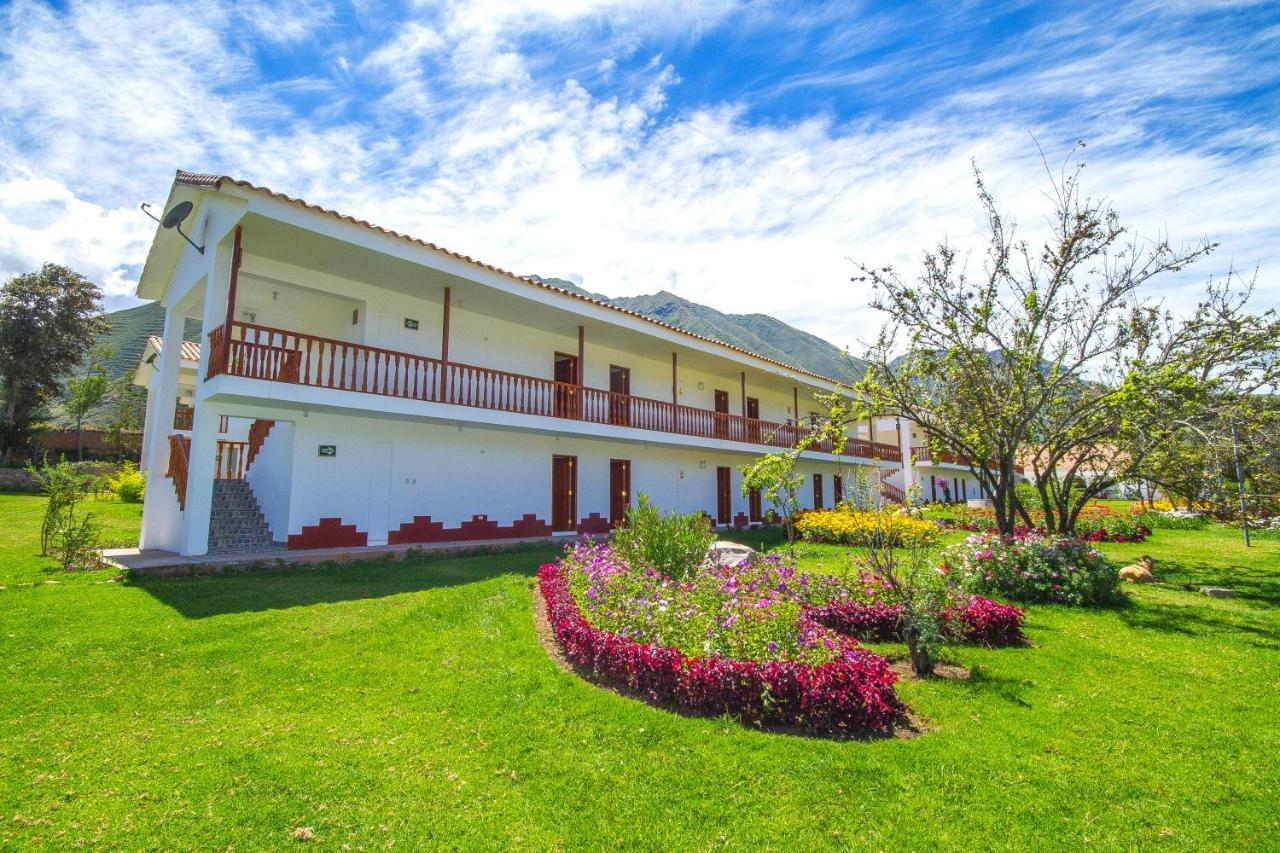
(79, 439)
(921, 663)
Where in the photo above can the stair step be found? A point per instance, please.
(236, 523)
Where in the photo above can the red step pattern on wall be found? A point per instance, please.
(328, 533)
(594, 524)
(422, 529)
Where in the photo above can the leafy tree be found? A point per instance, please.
(1053, 355)
(774, 474)
(48, 321)
(87, 392)
(128, 404)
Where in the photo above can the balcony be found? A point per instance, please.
(277, 355)
(942, 457)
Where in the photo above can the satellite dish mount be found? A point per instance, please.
(174, 219)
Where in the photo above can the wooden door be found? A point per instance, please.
(619, 490)
(566, 389)
(564, 493)
(724, 501)
(817, 491)
(755, 512)
(619, 395)
(753, 419)
(722, 414)
(837, 490)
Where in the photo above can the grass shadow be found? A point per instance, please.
(1003, 687)
(279, 588)
(1191, 621)
(1248, 585)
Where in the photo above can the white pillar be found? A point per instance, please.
(200, 473)
(909, 474)
(149, 420)
(205, 418)
(160, 503)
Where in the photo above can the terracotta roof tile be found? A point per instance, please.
(190, 349)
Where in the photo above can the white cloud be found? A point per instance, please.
(465, 140)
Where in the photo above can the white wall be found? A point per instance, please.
(452, 474)
(271, 478)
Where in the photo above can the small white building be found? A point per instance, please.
(356, 386)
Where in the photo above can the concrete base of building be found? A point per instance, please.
(168, 563)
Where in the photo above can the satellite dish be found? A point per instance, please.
(176, 215)
(174, 219)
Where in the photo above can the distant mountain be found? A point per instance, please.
(757, 333)
(126, 338)
(130, 329)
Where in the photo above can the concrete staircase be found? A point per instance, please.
(236, 524)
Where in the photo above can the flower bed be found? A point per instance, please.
(752, 612)
(864, 527)
(1096, 523)
(851, 693)
(1034, 567)
(975, 619)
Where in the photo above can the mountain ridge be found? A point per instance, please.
(761, 334)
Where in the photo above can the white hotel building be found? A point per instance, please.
(355, 386)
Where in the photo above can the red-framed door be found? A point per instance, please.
(566, 367)
(837, 490)
(755, 510)
(817, 491)
(619, 490)
(564, 493)
(753, 418)
(722, 414)
(619, 395)
(724, 500)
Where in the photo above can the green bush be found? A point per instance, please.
(1034, 567)
(72, 538)
(673, 544)
(1176, 520)
(130, 485)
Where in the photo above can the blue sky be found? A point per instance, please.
(739, 154)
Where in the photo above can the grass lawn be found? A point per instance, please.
(410, 704)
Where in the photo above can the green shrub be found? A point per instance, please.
(673, 544)
(74, 539)
(1034, 567)
(1174, 520)
(130, 485)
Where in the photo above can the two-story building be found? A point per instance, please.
(356, 386)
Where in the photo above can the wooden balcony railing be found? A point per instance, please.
(179, 451)
(893, 493)
(261, 352)
(926, 454)
(182, 418)
(233, 459)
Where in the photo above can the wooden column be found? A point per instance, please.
(795, 405)
(444, 332)
(582, 337)
(444, 345)
(675, 393)
(744, 393)
(231, 302)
